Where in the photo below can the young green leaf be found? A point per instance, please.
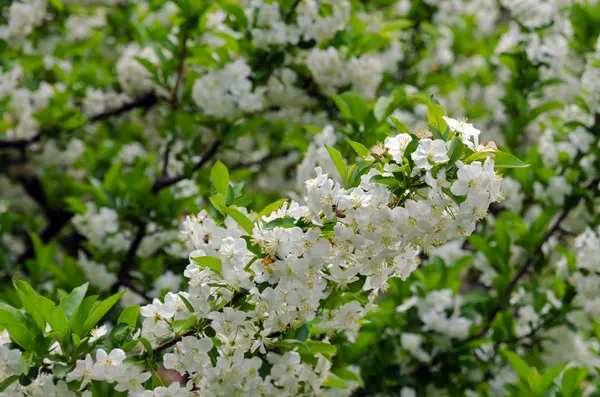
(338, 161)
(129, 316)
(435, 113)
(399, 126)
(270, 208)
(70, 302)
(210, 262)
(506, 160)
(240, 218)
(220, 178)
(359, 148)
(521, 367)
(99, 312)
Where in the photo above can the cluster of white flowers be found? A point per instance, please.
(134, 78)
(331, 72)
(312, 22)
(440, 312)
(308, 254)
(587, 279)
(228, 92)
(23, 104)
(23, 17)
(100, 225)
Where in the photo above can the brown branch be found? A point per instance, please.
(174, 101)
(263, 161)
(123, 275)
(163, 182)
(146, 101)
(523, 270)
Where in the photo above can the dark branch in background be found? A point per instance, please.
(180, 69)
(263, 161)
(174, 100)
(58, 219)
(163, 182)
(290, 12)
(525, 269)
(146, 101)
(123, 275)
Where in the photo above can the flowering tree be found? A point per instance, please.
(264, 198)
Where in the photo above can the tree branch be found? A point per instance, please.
(263, 161)
(163, 182)
(123, 275)
(523, 270)
(174, 101)
(146, 101)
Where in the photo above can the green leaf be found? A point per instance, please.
(240, 218)
(7, 382)
(506, 160)
(281, 222)
(571, 379)
(342, 107)
(187, 303)
(347, 374)
(357, 105)
(70, 302)
(435, 113)
(335, 382)
(384, 180)
(548, 378)
(76, 205)
(59, 322)
(99, 312)
(398, 24)
(76, 340)
(320, 347)
(19, 334)
(24, 291)
(180, 326)
(112, 177)
(302, 333)
(457, 148)
(218, 201)
(359, 148)
(129, 316)
(11, 314)
(399, 126)
(521, 367)
(271, 207)
(147, 346)
(546, 107)
(220, 177)
(210, 262)
(57, 4)
(81, 312)
(60, 370)
(26, 360)
(380, 110)
(338, 161)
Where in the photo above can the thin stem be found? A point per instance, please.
(180, 69)
(163, 182)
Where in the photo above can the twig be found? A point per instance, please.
(262, 161)
(144, 102)
(162, 182)
(170, 343)
(523, 270)
(123, 275)
(174, 102)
